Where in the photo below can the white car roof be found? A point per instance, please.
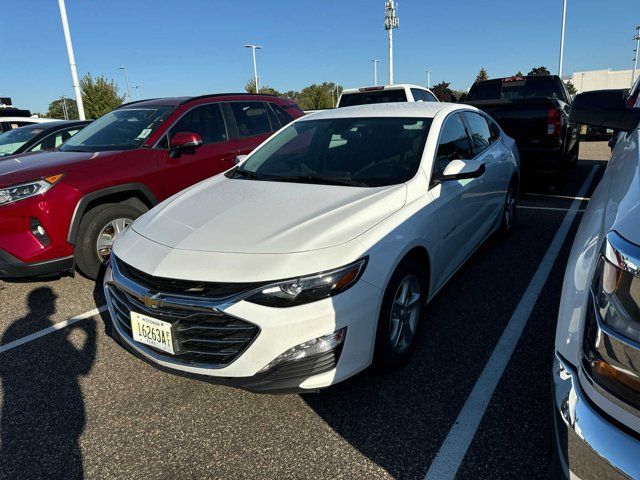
(397, 109)
(26, 119)
(395, 86)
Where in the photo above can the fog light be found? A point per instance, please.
(309, 349)
(39, 232)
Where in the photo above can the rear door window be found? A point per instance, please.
(479, 132)
(252, 118)
(282, 117)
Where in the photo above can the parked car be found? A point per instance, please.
(385, 94)
(316, 255)
(38, 137)
(9, 123)
(596, 372)
(534, 110)
(64, 209)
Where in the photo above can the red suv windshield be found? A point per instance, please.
(122, 129)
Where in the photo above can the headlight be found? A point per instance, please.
(308, 289)
(611, 343)
(617, 289)
(25, 190)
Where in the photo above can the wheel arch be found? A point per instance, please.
(135, 194)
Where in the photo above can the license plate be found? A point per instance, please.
(152, 332)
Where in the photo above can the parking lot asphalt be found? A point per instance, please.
(75, 405)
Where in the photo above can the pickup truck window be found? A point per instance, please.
(515, 89)
(376, 96)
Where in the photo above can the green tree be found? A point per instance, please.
(482, 75)
(318, 97)
(571, 88)
(443, 92)
(56, 109)
(539, 71)
(250, 87)
(99, 96)
(519, 74)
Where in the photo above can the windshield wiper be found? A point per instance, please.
(317, 179)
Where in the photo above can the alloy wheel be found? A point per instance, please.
(405, 313)
(108, 235)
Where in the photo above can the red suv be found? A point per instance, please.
(63, 209)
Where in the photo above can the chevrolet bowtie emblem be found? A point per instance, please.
(151, 302)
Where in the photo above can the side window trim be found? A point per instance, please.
(167, 131)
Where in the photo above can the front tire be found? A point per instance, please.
(98, 230)
(402, 307)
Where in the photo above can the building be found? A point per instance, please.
(600, 79)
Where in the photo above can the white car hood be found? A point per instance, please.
(248, 216)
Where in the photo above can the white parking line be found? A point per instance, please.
(53, 328)
(449, 458)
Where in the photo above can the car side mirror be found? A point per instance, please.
(240, 158)
(605, 108)
(462, 169)
(183, 140)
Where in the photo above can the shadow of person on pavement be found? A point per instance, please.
(42, 406)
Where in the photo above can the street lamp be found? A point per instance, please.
(137, 87)
(126, 76)
(428, 78)
(72, 59)
(635, 57)
(375, 71)
(255, 65)
(564, 16)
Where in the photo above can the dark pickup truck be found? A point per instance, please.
(534, 111)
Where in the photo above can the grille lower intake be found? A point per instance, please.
(210, 290)
(210, 338)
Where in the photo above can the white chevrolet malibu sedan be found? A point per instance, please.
(596, 371)
(315, 256)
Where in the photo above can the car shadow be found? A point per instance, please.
(43, 413)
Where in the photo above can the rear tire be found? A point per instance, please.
(402, 306)
(98, 229)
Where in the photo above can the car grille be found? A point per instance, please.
(210, 290)
(202, 337)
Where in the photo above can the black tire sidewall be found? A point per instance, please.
(386, 358)
(92, 223)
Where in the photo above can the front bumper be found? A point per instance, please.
(11, 267)
(280, 330)
(589, 445)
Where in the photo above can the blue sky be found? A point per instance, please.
(190, 47)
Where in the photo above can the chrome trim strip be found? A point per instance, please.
(622, 253)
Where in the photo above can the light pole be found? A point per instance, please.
(255, 65)
(126, 76)
(564, 16)
(375, 71)
(65, 112)
(390, 23)
(635, 57)
(428, 78)
(72, 60)
(137, 87)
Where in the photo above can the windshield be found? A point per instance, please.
(377, 96)
(363, 152)
(122, 129)
(13, 139)
(514, 89)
